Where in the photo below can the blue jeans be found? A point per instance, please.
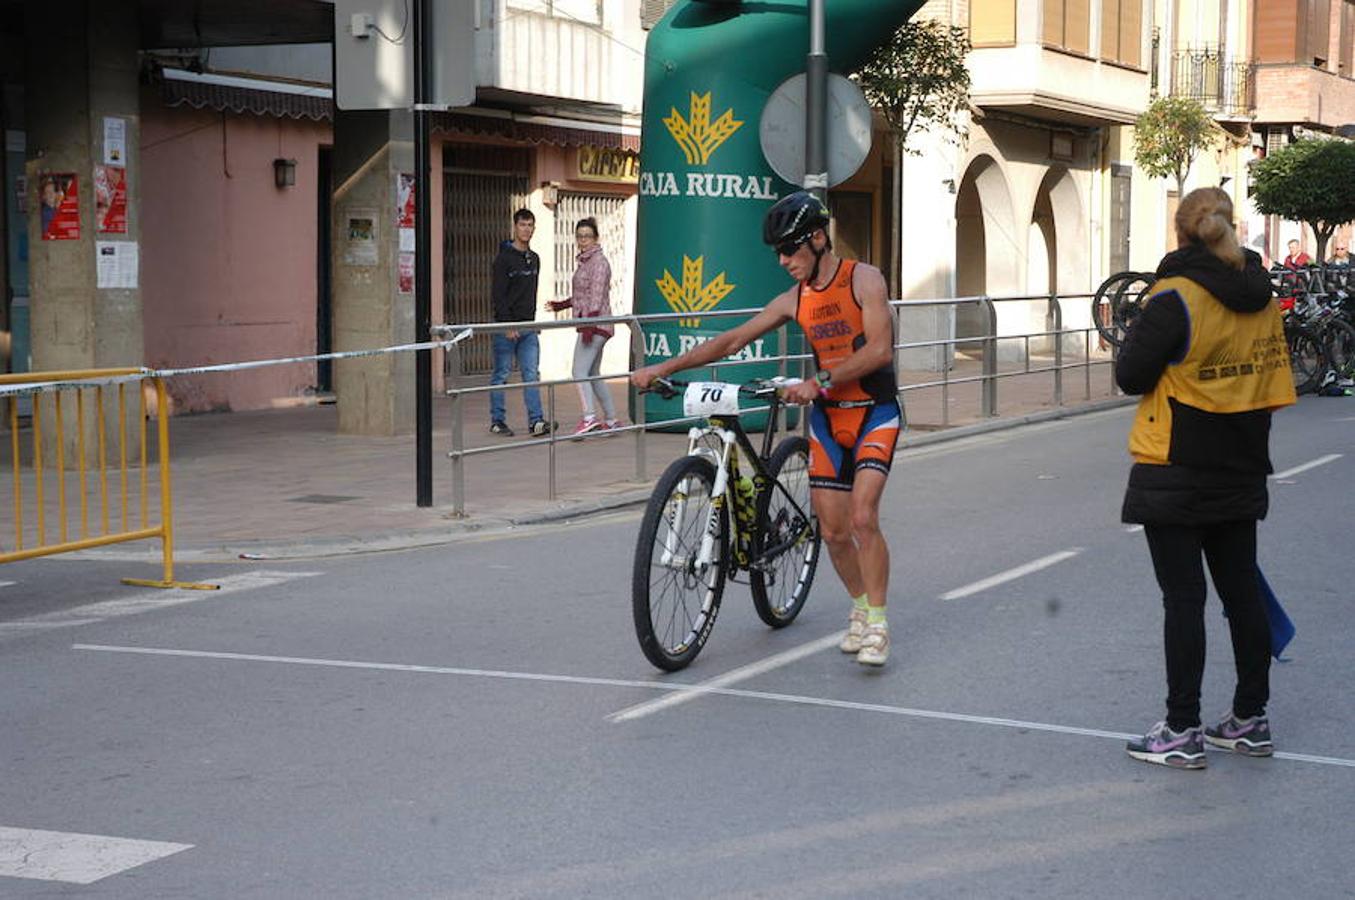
(527, 349)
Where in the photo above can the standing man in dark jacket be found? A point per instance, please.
(516, 271)
(1208, 355)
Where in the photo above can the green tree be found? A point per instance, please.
(1309, 181)
(1169, 134)
(918, 81)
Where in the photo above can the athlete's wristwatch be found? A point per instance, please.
(825, 381)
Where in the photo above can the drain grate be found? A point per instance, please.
(320, 498)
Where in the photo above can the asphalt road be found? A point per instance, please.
(443, 722)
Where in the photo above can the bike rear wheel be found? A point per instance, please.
(1117, 303)
(674, 598)
(1306, 358)
(781, 583)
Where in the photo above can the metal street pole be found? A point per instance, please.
(423, 261)
(816, 105)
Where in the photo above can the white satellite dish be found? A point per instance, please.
(782, 129)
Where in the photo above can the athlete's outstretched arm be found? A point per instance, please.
(773, 315)
(876, 320)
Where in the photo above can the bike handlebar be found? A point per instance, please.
(668, 388)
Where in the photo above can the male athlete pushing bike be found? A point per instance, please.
(843, 309)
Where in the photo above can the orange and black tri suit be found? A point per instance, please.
(857, 425)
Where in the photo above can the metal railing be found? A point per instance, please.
(1221, 82)
(988, 378)
(67, 452)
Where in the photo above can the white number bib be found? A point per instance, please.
(710, 398)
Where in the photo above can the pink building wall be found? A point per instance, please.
(229, 260)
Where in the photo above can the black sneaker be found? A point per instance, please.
(501, 429)
(1250, 737)
(541, 428)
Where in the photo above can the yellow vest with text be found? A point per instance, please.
(1235, 362)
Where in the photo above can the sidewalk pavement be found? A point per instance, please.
(285, 484)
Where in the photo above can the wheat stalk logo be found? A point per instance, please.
(698, 136)
(692, 296)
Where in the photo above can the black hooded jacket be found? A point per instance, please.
(513, 289)
(1219, 461)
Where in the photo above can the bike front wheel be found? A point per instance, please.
(1340, 346)
(788, 543)
(675, 595)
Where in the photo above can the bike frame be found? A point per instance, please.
(733, 438)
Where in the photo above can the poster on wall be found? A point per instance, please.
(360, 235)
(115, 141)
(59, 196)
(117, 264)
(406, 273)
(404, 202)
(110, 199)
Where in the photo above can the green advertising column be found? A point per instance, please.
(704, 183)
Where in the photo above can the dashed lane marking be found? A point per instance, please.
(796, 699)
(1021, 571)
(147, 600)
(1312, 464)
(743, 673)
(5, 584)
(74, 858)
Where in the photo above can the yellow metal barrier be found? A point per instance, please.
(48, 390)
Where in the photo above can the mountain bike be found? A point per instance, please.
(722, 509)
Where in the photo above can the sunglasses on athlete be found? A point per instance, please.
(789, 248)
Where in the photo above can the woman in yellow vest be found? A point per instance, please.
(1209, 357)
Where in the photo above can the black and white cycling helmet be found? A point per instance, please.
(794, 218)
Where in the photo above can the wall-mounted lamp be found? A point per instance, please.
(550, 193)
(284, 172)
(949, 184)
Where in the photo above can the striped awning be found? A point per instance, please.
(237, 95)
(242, 100)
(516, 129)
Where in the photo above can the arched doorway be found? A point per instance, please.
(1065, 265)
(987, 249)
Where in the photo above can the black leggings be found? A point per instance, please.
(1230, 550)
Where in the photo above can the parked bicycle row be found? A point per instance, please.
(1318, 303)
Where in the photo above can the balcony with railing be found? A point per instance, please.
(580, 51)
(1221, 82)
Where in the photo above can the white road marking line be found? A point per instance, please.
(1320, 461)
(74, 858)
(663, 686)
(147, 600)
(4, 584)
(1036, 565)
(1133, 529)
(743, 673)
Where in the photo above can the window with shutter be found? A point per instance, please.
(1343, 62)
(1131, 33)
(992, 23)
(1052, 29)
(1277, 36)
(1319, 31)
(1110, 29)
(1067, 24)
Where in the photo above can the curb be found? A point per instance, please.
(488, 527)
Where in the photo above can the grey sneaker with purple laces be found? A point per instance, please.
(1250, 737)
(1161, 745)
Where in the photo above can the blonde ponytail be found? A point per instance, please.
(1205, 216)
